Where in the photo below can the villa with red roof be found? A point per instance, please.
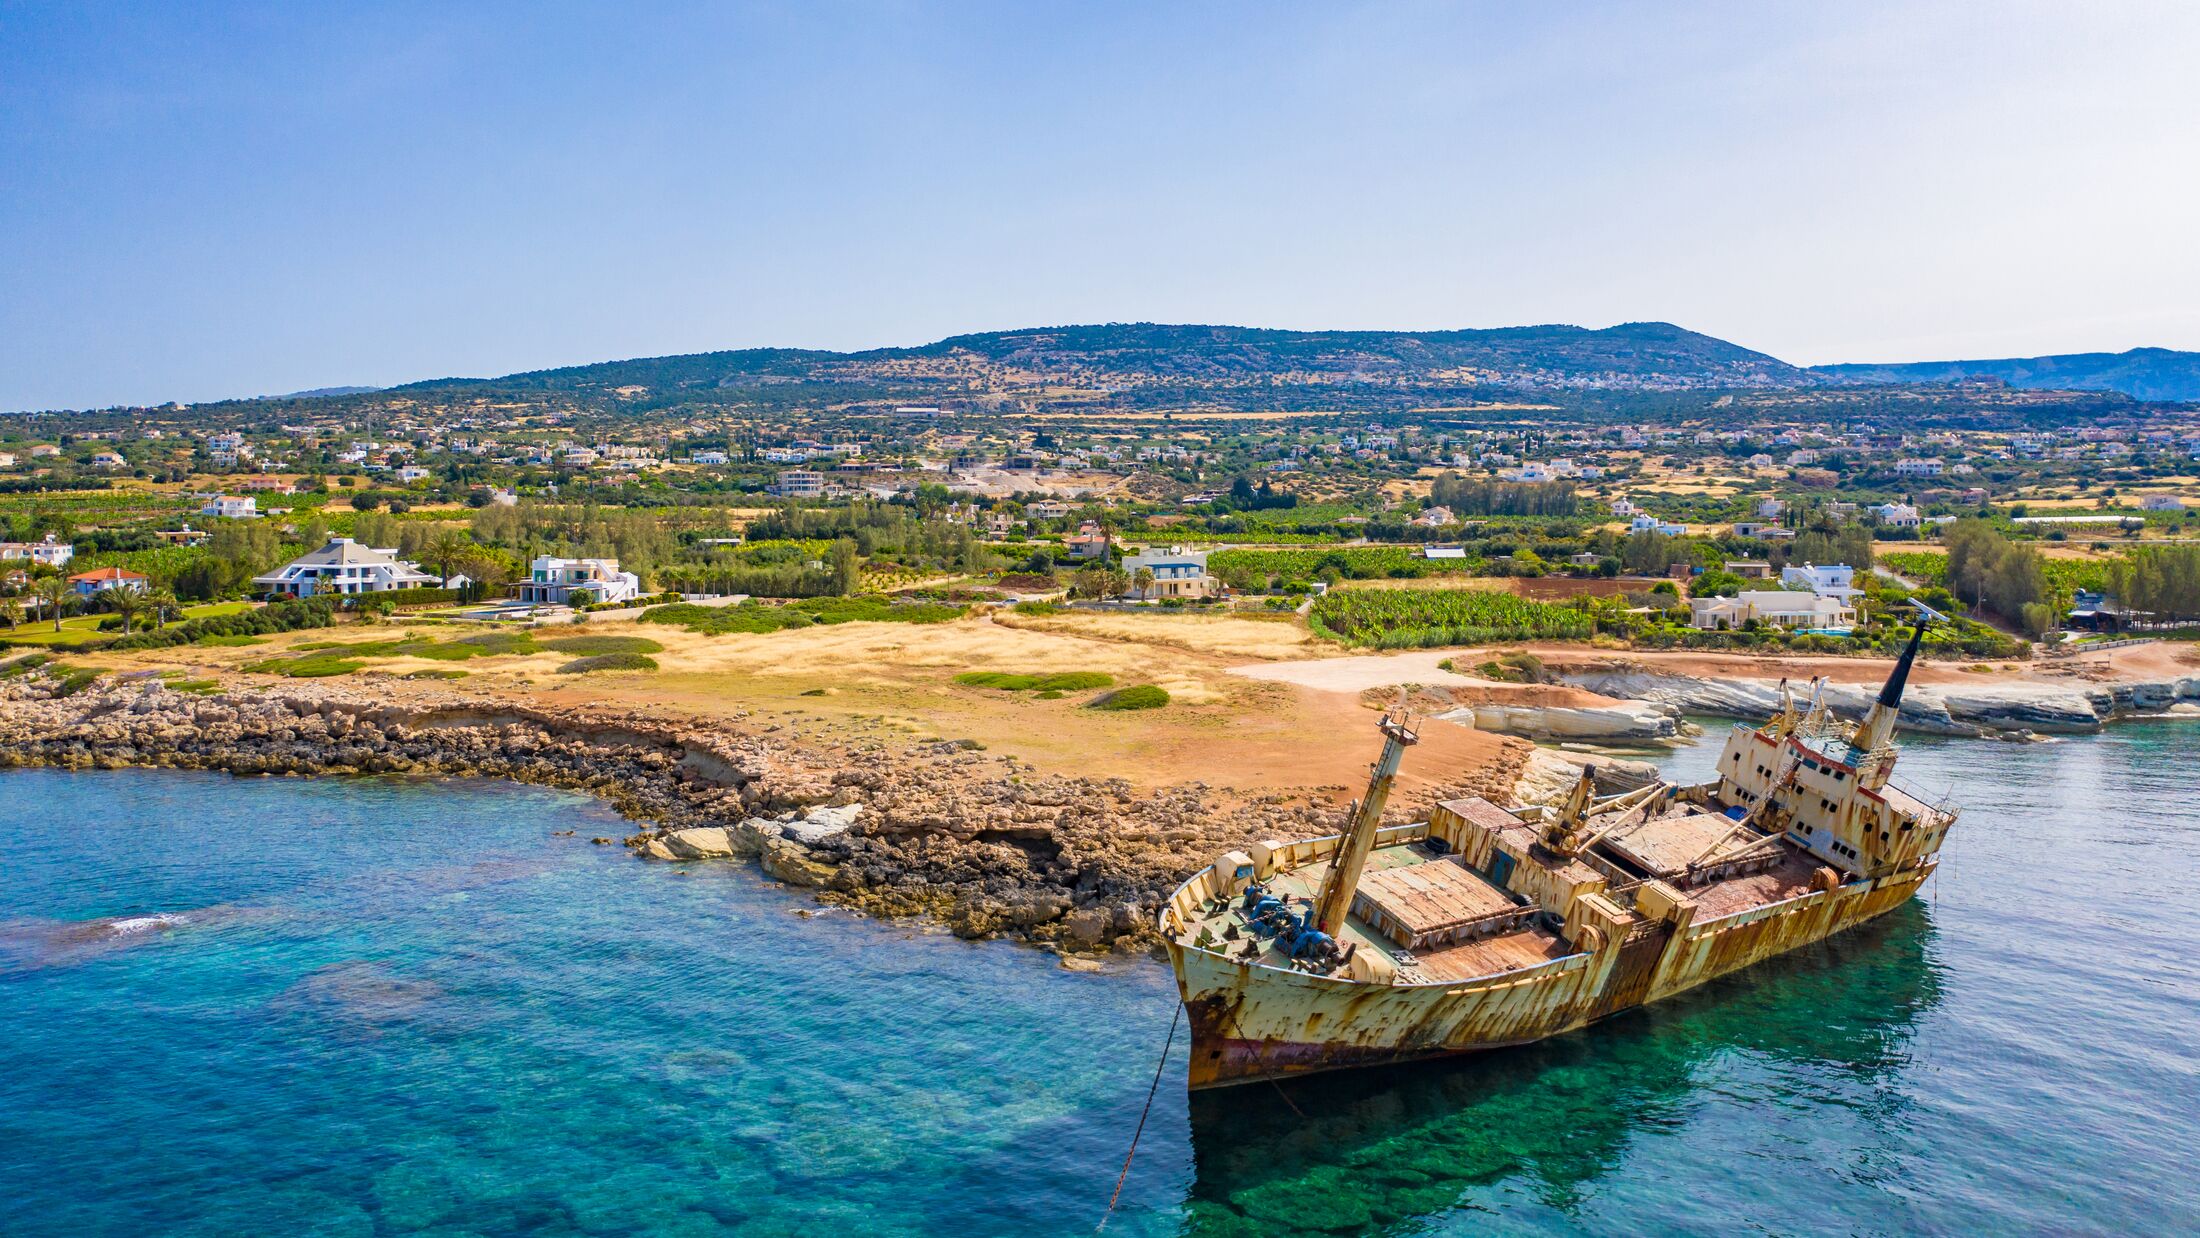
(88, 584)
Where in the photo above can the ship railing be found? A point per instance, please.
(1538, 971)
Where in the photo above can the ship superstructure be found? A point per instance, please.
(1488, 926)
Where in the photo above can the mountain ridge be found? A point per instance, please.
(2142, 373)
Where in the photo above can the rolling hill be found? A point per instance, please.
(2143, 373)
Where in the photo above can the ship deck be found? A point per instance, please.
(1460, 892)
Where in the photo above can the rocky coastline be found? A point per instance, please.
(1991, 709)
(979, 842)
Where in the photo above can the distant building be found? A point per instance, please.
(1760, 531)
(1749, 569)
(707, 457)
(576, 582)
(1829, 580)
(1777, 608)
(1047, 509)
(1177, 573)
(1897, 515)
(1930, 466)
(232, 507)
(1644, 522)
(89, 584)
(343, 566)
(47, 553)
(799, 484)
(2161, 503)
(1435, 517)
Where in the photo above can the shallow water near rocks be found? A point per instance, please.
(384, 1006)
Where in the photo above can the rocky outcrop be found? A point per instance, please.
(1988, 708)
(1619, 720)
(983, 844)
(1551, 774)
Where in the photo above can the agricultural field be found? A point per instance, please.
(1354, 562)
(1419, 619)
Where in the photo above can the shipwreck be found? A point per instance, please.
(1488, 926)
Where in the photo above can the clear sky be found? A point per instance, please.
(204, 200)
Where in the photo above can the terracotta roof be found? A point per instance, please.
(107, 573)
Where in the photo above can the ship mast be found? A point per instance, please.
(1878, 725)
(1367, 818)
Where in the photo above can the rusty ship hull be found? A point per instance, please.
(1488, 926)
(1251, 1022)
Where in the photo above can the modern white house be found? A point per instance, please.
(48, 553)
(1897, 515)
(1177, 573)
(343, 567)
(1780, 608)
(552, 581)
(1830, 580)
(799, 484)
(232, 507)
(2161, 503)
(1647, 523)
(1929, 466)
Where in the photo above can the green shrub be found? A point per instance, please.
(439, 674)
(603, 644)
(1052, 694)
(753, 617)
(609, 662)
(73, 679)
(287, 616)
(235, 640)
(1038, 608)
(24, 665)
(196, 687)
(1142, 696)
(1060, 682)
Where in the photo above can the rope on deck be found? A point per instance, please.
(1151, 1092)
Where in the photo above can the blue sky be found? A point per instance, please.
(209, 200)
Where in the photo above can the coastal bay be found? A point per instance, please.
(361, 1002)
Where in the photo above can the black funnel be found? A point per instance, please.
(1891, 695)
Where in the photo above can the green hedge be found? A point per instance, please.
(289, 616)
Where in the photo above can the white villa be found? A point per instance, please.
(232, 507)
(799, 484)
(343, 566)
(552, 581)
(1177, 573)
(1897, 515)
(1780, 608)
(48, 553)
(1647, 523)
(1831, 580)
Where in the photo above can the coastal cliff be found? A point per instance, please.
(979, 842)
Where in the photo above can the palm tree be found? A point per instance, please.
(162, 603)
(11, 612)
(52, 591)
(446, 550)
(1144, 580)
(126, 602)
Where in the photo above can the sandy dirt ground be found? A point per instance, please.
(1258, 705)
(899, 679)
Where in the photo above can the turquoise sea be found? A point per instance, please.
(379, 1007)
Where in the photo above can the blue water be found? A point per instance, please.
(388, 1007)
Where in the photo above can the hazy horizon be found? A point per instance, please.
(236, 200)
